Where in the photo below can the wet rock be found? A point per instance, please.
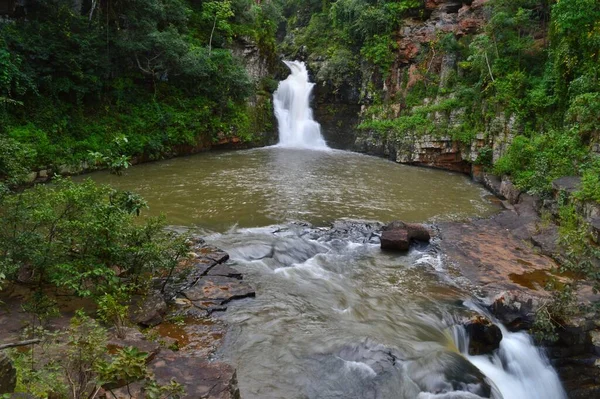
(200, 379)
(418, 232)
(148, 310)
(213, 293)
(8, 374)
(484, 337)
(491, 257)
(218, 288)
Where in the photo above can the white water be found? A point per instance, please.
(518, 369)
(297, 128)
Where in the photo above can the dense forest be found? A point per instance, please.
(115, 79)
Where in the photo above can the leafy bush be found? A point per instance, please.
(535, 162)
(81, 237)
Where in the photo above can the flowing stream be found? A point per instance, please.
(334, 316)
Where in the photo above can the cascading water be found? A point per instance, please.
(297, 128)
(517, 370)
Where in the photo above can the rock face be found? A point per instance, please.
(8, 374)
(398, 235)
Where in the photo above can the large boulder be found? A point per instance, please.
(8, 375)
(397, 235)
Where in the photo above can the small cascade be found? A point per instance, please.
(297, 128)
(517, 370)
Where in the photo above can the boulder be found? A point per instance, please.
(8, 374)
(397, 235)
(148, 310)
(395, 240)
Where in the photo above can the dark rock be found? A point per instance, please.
(595, 341)
(484, 337)
(8, 374)
(395, 240)
(200, 379)
(569, 184)
(148, 310)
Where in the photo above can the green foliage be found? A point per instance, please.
(75, 363)
(535, 162)
(590, 183)
(113, 309)
(154, 71)
(582, 256)
(127, 365)
(551, 315)
(76, 235)
(16, 162)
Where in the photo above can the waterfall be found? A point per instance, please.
(518, 369)
(297, 128)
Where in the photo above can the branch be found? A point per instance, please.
(22, 343)
(487, 61)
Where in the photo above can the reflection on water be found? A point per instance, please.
(274, 185)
